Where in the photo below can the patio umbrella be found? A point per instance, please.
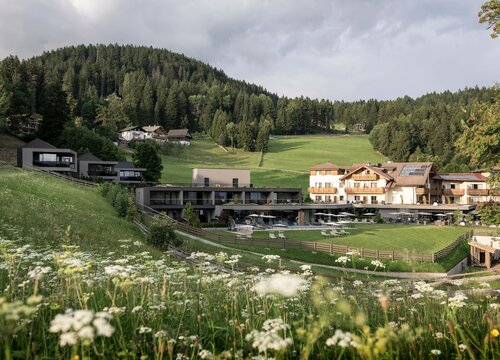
(319, 214)
(395, 213)
(440, 215)
(368, 214)
(424, 213)
(330, 215)
(254, 215)
(450, 213)
(347, 213)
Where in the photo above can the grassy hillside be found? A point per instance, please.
(40, 208)
(286, 164)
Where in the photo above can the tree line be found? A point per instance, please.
(107, 87)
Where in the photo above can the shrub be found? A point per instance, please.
(119, 197)
(190, 215)
(131, 209)
(162, 233)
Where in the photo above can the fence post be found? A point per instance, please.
(315, 245)
(361, 252)
(378, 256)
(433, 257)
(422, 257)
(331, 251)
(392, 254)
(300, 244)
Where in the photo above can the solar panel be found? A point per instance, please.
(413, 170)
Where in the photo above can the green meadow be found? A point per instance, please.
(286, 164)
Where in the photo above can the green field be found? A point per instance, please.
(426, 239)
(286, 164)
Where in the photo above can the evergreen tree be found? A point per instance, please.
(56, 113)
(146, 156)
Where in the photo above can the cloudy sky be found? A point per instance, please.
(337, 49)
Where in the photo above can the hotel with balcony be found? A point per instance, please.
(213, 191)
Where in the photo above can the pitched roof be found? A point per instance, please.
(128, 128)
(38, 144)
(411, 173)
(152, 128)
(88, 157)
(125, 165)
(178, 133)
(325, 166)
(480, 246)
(460, 177)
(371, 168)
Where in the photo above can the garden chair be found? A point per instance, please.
(281, 236)
(272, 236)
(325, 234)
(334, 233)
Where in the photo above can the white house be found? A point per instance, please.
(133, 133)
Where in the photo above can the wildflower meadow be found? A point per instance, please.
(59, 302)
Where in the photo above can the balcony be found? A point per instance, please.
(322, 190)
(130, 178)
(362, 190)
(199, 202)
(421, 191)
(437, 192)
(165, 202)
(477, 192)
(102, 173)
(365, 177)
(453, 192)
(40, 163)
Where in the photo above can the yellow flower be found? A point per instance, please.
(494, 332)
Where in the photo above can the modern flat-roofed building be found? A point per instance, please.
(40, 154)
(211, 189)
(221, 177)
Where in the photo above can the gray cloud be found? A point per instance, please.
(328, 49)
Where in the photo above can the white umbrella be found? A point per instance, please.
(424, 213)
(347, 213)
(319, 214)
(332, 223)
(269, 216)
(254, 215)
(405, 213)
(395, 213)
(368, 214)
(330, 215)
(450, 213)
(440, 215)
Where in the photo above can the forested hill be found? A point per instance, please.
(106, 87)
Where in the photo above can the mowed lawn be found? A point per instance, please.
(426, 239)
(41, 208)
(286, 164)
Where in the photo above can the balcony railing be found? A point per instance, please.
(322, 190)
(165, 202)
(130, 178)
(53, 164)
(421, 191)
(478, 192)
(362, 190)
(199, 202)
(436, 192)
(365, 177)
(453, 192)
(102, 173)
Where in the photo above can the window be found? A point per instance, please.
(373, 199)
(341, 184)
(206, 181)
(235, 182)
(328, 185)
(328, 198)
(452, 186)
(328, 172)
(356, 184)
(373, 185)
(318, 172)
(341, 197)
(357, 198)
(67, 159)
(47, 157)
(317, 198)
(318, 185)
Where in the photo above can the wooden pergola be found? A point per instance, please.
(481, 254)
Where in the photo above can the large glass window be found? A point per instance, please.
(47, 157)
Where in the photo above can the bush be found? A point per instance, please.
(119, 197)
(162, 233)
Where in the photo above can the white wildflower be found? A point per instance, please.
(342, 339)
(285, 285)
(436, 352)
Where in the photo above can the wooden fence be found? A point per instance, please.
(393, 255)
(448, 249)
(63, 177)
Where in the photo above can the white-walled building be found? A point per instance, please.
(133, 133)
(396, 183)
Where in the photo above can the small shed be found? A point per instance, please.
(484, 250)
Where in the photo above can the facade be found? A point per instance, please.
(221, 177)
(156, 133)
(464, 188)
(396, 183)
(210, 190)
(90, 165)
(180, 136)
(40, 154)
(133, 133)
(127, 173)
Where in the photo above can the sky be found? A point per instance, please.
(337, 49)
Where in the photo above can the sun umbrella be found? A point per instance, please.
(440, 215)
(368, 214)
(320, 214)
(424, 213)
(347, 213)
(254, 215)
(395, 213)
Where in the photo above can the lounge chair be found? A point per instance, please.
(326, 234)
(334, 233)
(272, 236)
(281, 236)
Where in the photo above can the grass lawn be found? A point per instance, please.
(286, 164)
(40, 208)
(426, 239)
